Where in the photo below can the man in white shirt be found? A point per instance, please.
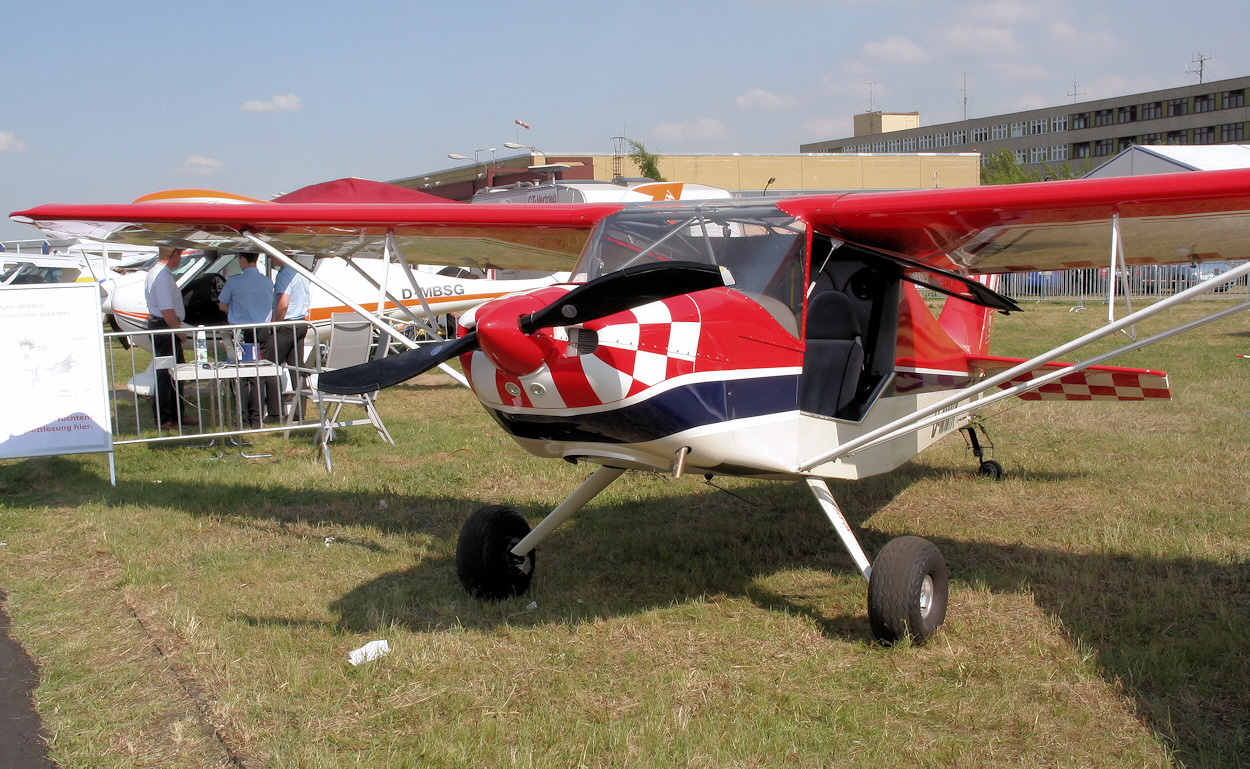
(166, 311)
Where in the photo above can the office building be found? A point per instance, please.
(1084, 134)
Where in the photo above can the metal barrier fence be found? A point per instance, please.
(1144, 282)
(202, 388)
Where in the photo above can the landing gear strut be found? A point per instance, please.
(989, 468)
(907, 584)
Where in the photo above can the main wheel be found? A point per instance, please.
(483, 562)
(907, 590)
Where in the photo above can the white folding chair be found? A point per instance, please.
(351, 339)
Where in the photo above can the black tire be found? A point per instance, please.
(907, 591)
(991, 469)
(483, 563)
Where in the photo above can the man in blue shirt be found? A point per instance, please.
(248, 298)
(292, 301)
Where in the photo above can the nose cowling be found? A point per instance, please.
(502, 340)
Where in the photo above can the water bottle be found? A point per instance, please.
(201, 348)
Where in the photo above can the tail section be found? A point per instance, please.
(969, 325)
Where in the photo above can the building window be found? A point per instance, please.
(1233, 99)
(1204, 135)
(981, 134)
(1080, 150)
(1104, 147)
(893, 145)
(1080, 120)
(1058, 153)
(1037, 155)
(1059, 123)
(1152, 139)
(1021, 156)
(909, 144)
(1178, 137)
(1103, 117)
(1038, 126)
(1233, 132)
(959, 137)
(926, 142)
(1000, 131)
(1204, 103)
(1127, 114)
(1017, 129)
(1178, 107)
(942, 140)
(1125, 143)
(878, 146)
(1152, 111)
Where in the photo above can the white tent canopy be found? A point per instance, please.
(1140, 160)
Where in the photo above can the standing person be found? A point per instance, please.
(292, 301)
(248, 298)
(166, 311)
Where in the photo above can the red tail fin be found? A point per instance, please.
(969, 324)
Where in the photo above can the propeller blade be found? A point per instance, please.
(622, 290)
(394, 369)
(615, 292)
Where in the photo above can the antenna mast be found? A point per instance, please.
(1076, 91)
(1200, 64)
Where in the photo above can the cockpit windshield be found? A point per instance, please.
(762, 247)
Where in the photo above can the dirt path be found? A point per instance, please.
(22, 744)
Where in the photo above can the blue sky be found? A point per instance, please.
(104, 102)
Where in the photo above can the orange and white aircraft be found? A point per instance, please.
(392, 288)
(777, 339)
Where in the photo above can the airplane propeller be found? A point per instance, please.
(615, 292)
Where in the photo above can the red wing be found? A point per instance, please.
(1054, 225)
(1096, 383)
(546, 238)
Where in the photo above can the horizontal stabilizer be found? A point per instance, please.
(1096, 383)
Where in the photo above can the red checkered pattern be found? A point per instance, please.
(1094, 385)
(660, 343)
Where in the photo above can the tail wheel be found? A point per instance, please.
(990, 469)
(907, 590)
(484, 563)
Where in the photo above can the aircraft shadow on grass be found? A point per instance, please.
(1172, 633)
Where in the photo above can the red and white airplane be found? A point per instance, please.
(778, 339)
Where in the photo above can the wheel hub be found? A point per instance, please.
(926, 596)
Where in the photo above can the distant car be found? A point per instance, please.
(1210, 270)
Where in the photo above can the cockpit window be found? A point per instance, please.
(762, 248)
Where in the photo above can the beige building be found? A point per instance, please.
(742, 174)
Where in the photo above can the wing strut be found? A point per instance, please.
(949, 407)
(1118, 273)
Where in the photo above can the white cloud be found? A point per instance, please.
(983, 42)
(897, 50)
(700, 130)
(761, 99)
(1083, 43)
(198, 165)
(10, 143)
(284, 103)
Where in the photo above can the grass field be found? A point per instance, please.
(201, 612)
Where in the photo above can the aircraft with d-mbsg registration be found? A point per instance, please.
(780, 338)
